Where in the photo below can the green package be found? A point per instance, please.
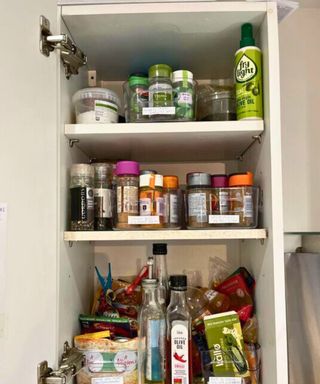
(225, 342)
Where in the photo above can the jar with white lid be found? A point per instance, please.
(184, 95)
(96, 105)
(82, 197)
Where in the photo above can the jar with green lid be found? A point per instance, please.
(136, 96)
(184, 95)
(160, 92)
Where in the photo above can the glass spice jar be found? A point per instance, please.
(102, 196)
(172, 215)
(82, 199)
(219, 199)
(183, 95)
(136, 94)
(127, 184)
(198, 199)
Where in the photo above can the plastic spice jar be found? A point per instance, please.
(172, 204)
(96, 105)
(219, 197)
(151, 201)
(243, 199)
(183, 94)
(136, 95)
(102, 196)
(127, 173)
(198, 199)
(160, 91)
(82, 200)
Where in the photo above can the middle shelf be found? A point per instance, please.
(172, 141)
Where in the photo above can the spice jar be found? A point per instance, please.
(172, 203)
(82, 200)
(243, 199)
(160, 92)
(102, 196)
(198, 199)
(136, 95)
(127, 182)
(151, 201)
(183, 95)
(219, 199)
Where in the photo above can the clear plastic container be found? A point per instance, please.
(184, 95)
(96, 105)
(136, 97)
(216, 101)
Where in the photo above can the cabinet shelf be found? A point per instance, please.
(168, 142)
(185, 235)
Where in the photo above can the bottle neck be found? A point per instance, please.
(149, 296)
(178, 298)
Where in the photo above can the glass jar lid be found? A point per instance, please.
(81, 170)
(160, 70)
(199, 179)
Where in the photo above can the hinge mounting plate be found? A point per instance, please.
(72, 57)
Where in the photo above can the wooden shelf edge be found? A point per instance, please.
(185, 235)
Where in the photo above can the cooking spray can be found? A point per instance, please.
(248, 77)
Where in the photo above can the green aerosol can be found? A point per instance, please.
(248, 77)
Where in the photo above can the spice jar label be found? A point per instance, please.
(197, 206)
(82, 204)
(185, 98)
(140, 220)
(224, 219)
(105, 112)
(130, 199)
(145, 206)
(248, 206)
(102, 202)
(160, 206)
(174, 209)
(158, 111)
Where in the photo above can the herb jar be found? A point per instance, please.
(160, 92)
(219, 200)
(243, 198)
(198, 199)
(102, 196)
(136, 96)
(82, 199)
(172, 202)
(184, 95)
(127, 184)
(151, 201)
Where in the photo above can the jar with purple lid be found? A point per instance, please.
(127, 187)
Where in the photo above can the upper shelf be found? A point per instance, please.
(200, 36)
(168, 142)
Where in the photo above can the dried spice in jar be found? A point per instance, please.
(198, 199)
(184, 95)
(82, 200)
(172, 216)
(219, 200)
(151, 200)
(102, 196)
(243, 199)
(127, 183)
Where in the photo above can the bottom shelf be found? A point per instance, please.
(205, 234)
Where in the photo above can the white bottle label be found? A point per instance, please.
(248, 206)
(179, 352)
(223, 202)
(197, 206)
(145, 206)
(105, 111)
(102, 202)
(174, 217)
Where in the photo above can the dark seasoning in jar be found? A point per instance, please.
(82, 199)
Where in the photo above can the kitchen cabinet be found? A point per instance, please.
(50, 271)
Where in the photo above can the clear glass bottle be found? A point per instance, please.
(184, 95)
(179, 356)
(136, 93)
(172, 202)
(152, 336)
(82, 200)
(102, 196)
(160, 260)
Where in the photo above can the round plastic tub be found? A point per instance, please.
(96, 105)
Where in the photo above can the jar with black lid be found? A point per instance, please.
(198, 199)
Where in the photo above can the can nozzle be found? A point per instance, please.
(246, 36)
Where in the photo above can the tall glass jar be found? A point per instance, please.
(82, 199)
(198, 199)
(172, 202)
(136, 94)
(152, 336)
(160, 91)
(184, 95)
(102, 196)
(127, 173)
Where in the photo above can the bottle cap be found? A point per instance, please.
(159, 249)
(102, 171)
(247, 39)
(241, 179)
(219, 181)
(148, 172)
(182, 75)
(81, 170)
(199, 178)
(151, 180)
(178, 282)
(171, 182)
(127, 168)
(138, 80)
(160, 70)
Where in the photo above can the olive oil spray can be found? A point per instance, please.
(248, 77)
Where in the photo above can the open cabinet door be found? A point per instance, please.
(28, 169)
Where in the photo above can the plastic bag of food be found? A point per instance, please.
(250, 330)
(219, 270)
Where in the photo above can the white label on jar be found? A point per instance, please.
(105, 111)
(223, 202)
(197, 206)
(225, 380)
(119, 199)
(248, 206)
(184, 98)
(179, 352)
(145, 206)
(160, 206)
(174, 215)
(130, 199)
(167, 207)
(224, 219)
(102, 202)
(140, 220)
(211, 294)
(107, 380)
(158, 111)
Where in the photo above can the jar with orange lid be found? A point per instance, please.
(172, 202)
(243, 200)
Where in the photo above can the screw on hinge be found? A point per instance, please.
(70, 243)
(72, 142)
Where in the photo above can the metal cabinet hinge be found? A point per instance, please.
(71, 363)
(72, 57)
